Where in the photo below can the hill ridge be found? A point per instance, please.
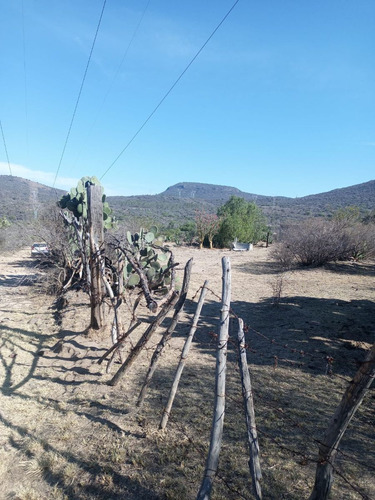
(22, 199)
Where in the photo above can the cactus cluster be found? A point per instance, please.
(152, 257)
(76, 201)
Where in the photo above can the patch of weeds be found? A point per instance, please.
(70, 474)
(174, 489)
(173, 452)
(105, 480)
(26, 493)
(278, 287)
(50, 462)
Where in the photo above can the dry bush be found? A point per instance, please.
(278, 287)
(318, 241)
(362, 241)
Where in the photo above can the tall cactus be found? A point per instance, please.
(76, 202)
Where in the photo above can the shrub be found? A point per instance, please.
(318, 241)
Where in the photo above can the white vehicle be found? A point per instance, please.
(39, 249)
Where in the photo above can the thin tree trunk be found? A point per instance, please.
(254, 462)
(144, 339)
(350, 402)
(168, 334)
(219, 410)
(184, 355)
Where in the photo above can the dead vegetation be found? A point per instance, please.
(66, 434)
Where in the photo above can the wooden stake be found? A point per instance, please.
(144, 339)
(254, 463)
(221, 368)
(350, 402)
(168, 334)
(120, 342)
(184, 355)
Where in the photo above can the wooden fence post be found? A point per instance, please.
(221, 368)
(247, 392)
(184, 355)
(350, 402)
(95, 220)
(144, 339)
(168, 333)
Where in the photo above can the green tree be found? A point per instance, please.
(240, 219)
(189, 232)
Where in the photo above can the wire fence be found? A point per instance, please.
(284, 414)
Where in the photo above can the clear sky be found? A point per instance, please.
(281, 101)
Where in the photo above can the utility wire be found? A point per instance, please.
(5, 147)
(25, 78)
(170, 90)
(80, 92)
(118, 70)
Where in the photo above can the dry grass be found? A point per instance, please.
(65, 434)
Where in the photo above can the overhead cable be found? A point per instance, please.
(6, 149)
(170, 90)
(118, 68)
(80, 92)
(25, 79)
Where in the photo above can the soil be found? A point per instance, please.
(66, 434)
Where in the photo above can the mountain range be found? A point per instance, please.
(22, 199)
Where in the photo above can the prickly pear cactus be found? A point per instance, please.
(152, 257)
(76, 202)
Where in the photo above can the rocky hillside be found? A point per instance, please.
(23, 199)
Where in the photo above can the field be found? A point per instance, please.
(66, 434)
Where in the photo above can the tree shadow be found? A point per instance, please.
(18, 280)
(303, 331)
(366, 268)
(352, 268)
(257, 268)
(122, 484)
(67, 352)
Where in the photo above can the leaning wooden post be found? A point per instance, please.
(350, 403)
(95, 220)
(184, 355)
(254, 463)
(221, 368)
(168, 333)
(144, 339)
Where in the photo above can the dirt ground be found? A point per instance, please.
(66, 434)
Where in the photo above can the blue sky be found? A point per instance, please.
(281, 101)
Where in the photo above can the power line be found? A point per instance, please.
(6, 149)
(80, 92)
(25, 77)
(118, 69)
(170, 90)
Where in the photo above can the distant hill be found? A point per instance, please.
(362, 195)
(180, 201)
(23, 199)
(215, 194)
